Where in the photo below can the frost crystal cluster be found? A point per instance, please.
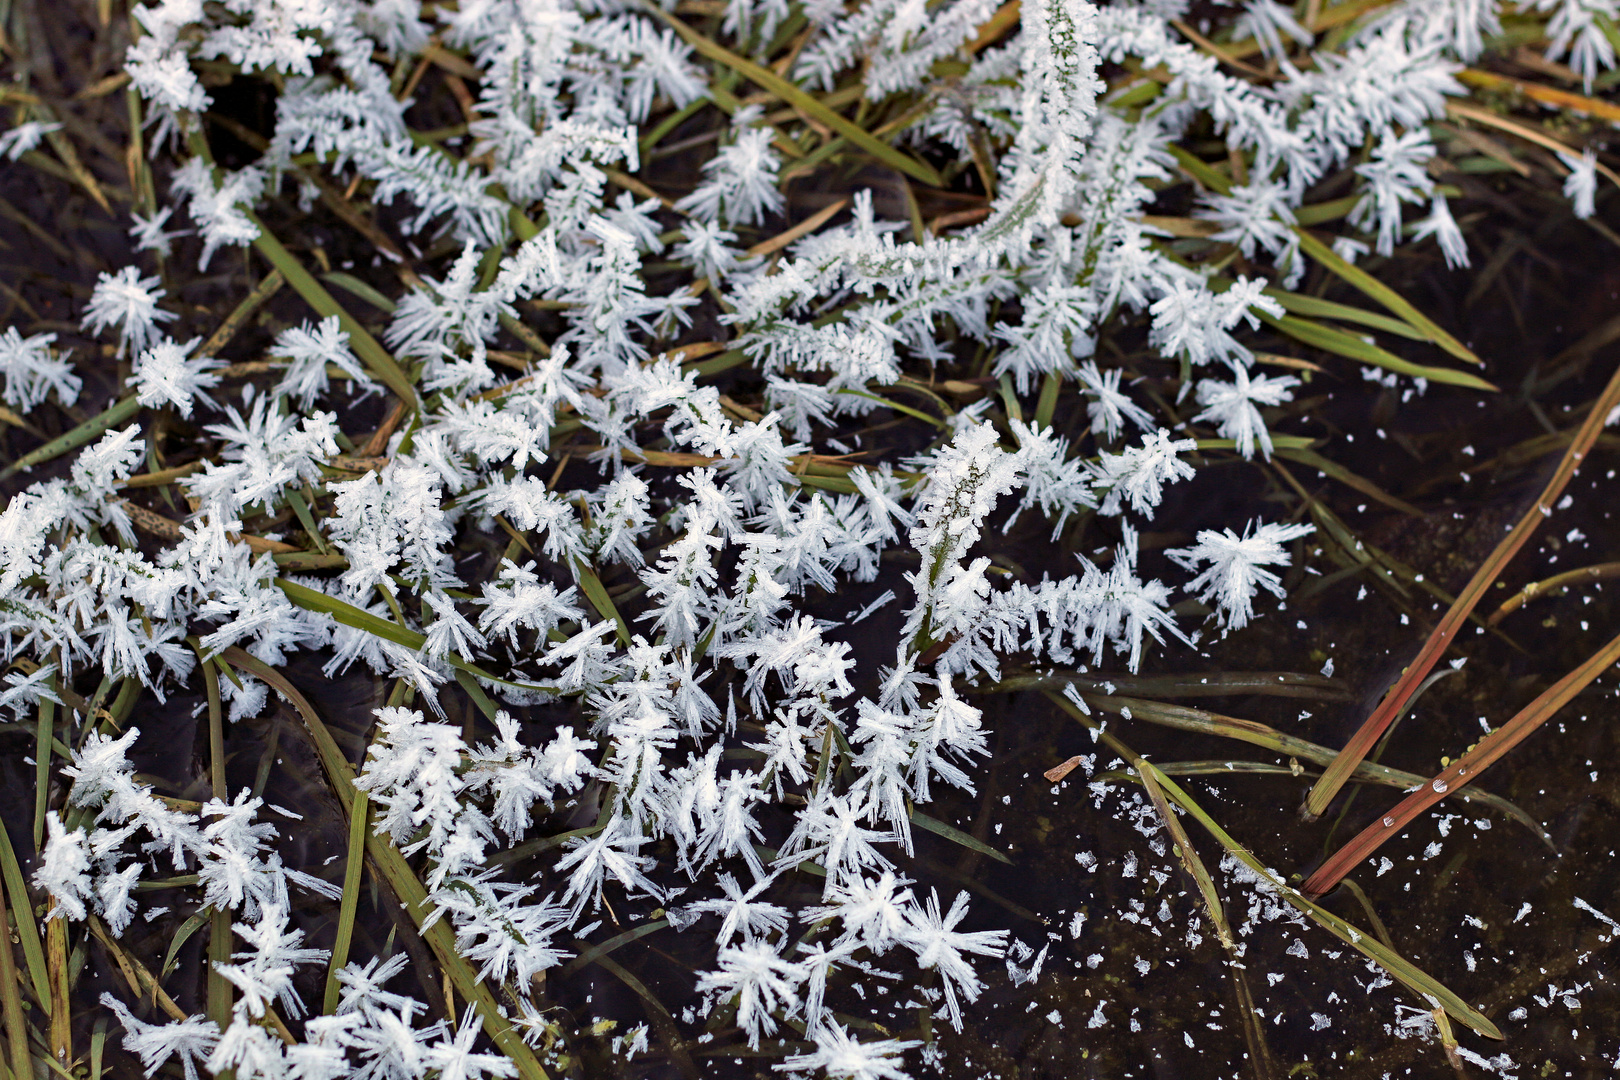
(593, 583)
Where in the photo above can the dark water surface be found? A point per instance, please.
(1133, 983)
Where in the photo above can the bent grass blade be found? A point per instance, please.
(399, 875)
(1377, 290)
(1440, 638)
(1254, 1035)
(1465, 770)
(1399, 968)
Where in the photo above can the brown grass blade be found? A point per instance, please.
(1440, 638)
(1465, 770)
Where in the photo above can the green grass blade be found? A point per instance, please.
(351, 284)
(1314, 308)
(359, 818)
(1254, 1033)
(956, 836)
(371, 353)
(412, 895)
(1394, 301)
(1332, 339)
(11, 1001)
(1201, 170)
(1282, 442)
(92, 428)
(592, 587)
(766, 79)
(42, 767)
(22, 917)
(188, 928)
(349, 615)
(663, 1022)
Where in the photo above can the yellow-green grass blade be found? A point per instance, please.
(400, 877)
(1388, 297)
(769, 80)
(1399, 968)
(1332, 339)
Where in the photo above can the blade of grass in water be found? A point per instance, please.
(1256, 734)
(1465, 770)
(359, 816)
(1599, 572)
(400, 877)
(1440, 638)
(956, 836)
(1254, 1035)
(1402, 970)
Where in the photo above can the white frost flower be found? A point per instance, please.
(308, 349)
(739, 186)
(24, 137)
(32, 370)
(1580, 186)
(842, 1055)
(1234, 406)
(163, 375)
(1235, 572)
(762, 983)
(129, 302)
(1443, 227)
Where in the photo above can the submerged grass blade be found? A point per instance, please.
(1328, 467)
(1465, 770)
(1440, 638)
(956, 836)
(1254, 1034)
(400, 877)
(1284, 684)
(1405, 972)
(1256, 734)
(1599, 572)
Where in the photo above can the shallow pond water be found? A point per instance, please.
(1132, 982)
